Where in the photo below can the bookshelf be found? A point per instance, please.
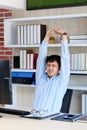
(10, 27)
(10, 35)
(10, 24)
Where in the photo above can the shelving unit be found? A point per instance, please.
(10, 40)
(10, 27)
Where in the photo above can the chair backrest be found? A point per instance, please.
(66, 101)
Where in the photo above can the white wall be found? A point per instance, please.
(13, 4)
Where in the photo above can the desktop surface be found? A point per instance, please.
(9, 122)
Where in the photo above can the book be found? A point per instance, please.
(82, 61)
(82, 36)
(25, 34)
(31, 60)
(28, 61)
(86, 104)
(28, 35)
(25, 59)
(77, 41)
(35, 60)
(73, 61)
(78, 61)
(41, 31)
(35, 34)
(31, 34)
(19, 34)
(83, 103)
(86, 61)
(22, 35)
(16, 61)
(21, 59)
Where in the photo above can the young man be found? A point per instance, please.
(51, 84)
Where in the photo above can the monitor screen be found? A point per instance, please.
(5, 82)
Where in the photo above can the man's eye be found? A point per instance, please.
(48, 66)
(54, 66)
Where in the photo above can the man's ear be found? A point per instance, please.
(59, 68)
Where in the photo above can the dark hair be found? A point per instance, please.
(53, 58)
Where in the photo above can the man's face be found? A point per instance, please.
(52, 68)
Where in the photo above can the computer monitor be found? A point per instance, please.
(5, 82)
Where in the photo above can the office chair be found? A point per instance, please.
(66, 101)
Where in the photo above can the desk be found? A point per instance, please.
(12, 122)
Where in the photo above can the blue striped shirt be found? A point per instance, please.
(50, 92)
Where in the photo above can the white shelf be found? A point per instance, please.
(26, 70)
(50, 45)
(79, 72)
(78, 45)
(22, 46)
(80, 88)
(22, 70)
(54, 17)
(23, 85)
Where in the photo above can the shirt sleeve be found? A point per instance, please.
(41, 61)
(65, 62)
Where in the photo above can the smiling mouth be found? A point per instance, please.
(50, 72)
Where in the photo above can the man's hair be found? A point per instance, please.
(53, 58)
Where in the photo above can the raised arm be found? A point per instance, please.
(65, 59)
(40, 69)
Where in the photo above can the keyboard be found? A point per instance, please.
(14, 111)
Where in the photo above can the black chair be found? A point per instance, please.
(66, 101)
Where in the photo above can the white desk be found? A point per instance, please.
(12, 122)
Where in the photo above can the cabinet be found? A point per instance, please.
(73, 23)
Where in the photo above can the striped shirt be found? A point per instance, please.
(50, 92)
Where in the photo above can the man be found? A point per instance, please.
(52, 75)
